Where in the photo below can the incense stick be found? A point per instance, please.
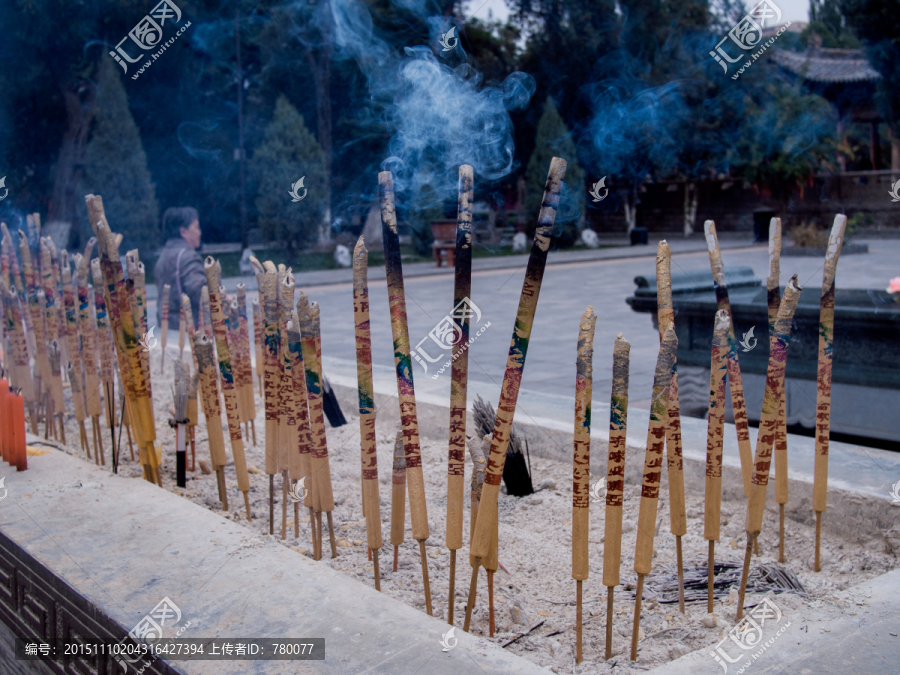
(398, 496)
(581, 462)
(714, 441)
(767, 426)
(179, 399)
(459, 376)
(734, 368)
(368, 457)
(209, 390)
(265, 281)
(393, 266)
(615, 479)
(287, 440)
(304, 438)
(89, 353)
(74, 370)
(105, 355)
(653, 457)
(247, 379)
(164, 330)
(479, 467)
(823, 381)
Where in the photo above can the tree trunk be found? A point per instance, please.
(78, 99)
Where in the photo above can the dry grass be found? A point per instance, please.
(808, 235)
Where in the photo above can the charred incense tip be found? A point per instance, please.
(666, 360)
(360, 264)
(212, 272)
(709, 231)
(723, 321)
(388, 213)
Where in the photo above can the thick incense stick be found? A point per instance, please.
(105, 357)
(51, 321)
(180, 398)
(304, 438)
(515, 363)
(92, 396)
(734, 368)
(15, 331)
(164, 330)
(75, 373)
(767, 426)
(225, 370)
(368, 458)
(244, 334)
(781, 457)
(491, 561)
(581, 462)
(258, 341)
(287, 423)
(656, 437)
(674, 459)
(138, 294)
(823, 381)
(615, 479)
(714, 440)
(479, 467)
(209, 390)
(398, 496)
(265, 281)
(459, 377)
(205, 319)
(418, 509)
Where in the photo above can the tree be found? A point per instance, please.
(116, 166)
(554, 140)
(289, 152)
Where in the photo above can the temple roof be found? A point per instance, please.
(827, 65)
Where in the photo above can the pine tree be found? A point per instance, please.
(116, 167)
(554, 140)
(288, 152)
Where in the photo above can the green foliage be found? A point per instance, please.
(553, 140)
(288, 152)
(116, 167)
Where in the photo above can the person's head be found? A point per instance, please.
(182, 222)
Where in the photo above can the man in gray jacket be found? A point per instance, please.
(179, 264)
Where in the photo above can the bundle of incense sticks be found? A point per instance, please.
(653, 457)
(213, 275)
(138, 406)
(734, 368)
(164, 328)
(105, 354)
(581, 463)
(319, 467)
(773, 293)
(823, 381)
(209, 390)
(246, 365)
(93, 399)
(304, 439)
(398, 496)
(615, 479)
(515, 365)
(714, 440)
(459, 375)
(368, 457)
(74, 342)
(674, 460)
(765, 440)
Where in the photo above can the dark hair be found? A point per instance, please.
(178, 217)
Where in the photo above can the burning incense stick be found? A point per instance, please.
(368, 458)
(398, 496)
(734, 368)
(393, 266)
(823, 383)
(714, 440)
(581, 462)
(459, 377)
(767, 426)
(209, 390)
(781, 458)
(213, 275)
(615, 479)
(674, 459)
(515, 365)
(164, 329)
(656, 437)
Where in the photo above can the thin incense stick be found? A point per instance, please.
(734, 368)
(368, 457)
(674, 459)
(459, 376)
(213, 275)
(581, 462)
(209, 390)
(656, 436)
(393, 266)
(164, 330)
(398, 496)
(714, 439)
(767, 426)
(823, 382)
(479, 467)
(615, 479)
(515, 363)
